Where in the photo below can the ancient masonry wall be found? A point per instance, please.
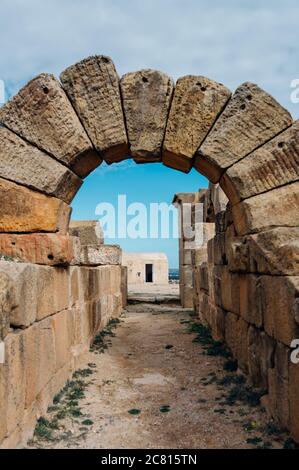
(192, 250)
(49, 316)
(248, 295)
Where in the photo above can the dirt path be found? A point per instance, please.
(154, 387)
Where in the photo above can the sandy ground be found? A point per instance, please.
(167, 289)
(169, 293)
(152, 368)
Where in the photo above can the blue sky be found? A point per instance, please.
(148, 183)
(231, 41)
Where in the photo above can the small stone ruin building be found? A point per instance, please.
(146, 268)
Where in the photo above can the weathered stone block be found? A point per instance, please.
(199, 255)
(187, 256)
(52, 290)
(251, 299)
(208, 208)
(88, 231)
(250, 119)
(204, 277)
(278, 207)
(274, 164)
(101, 313)
(39, 291)
(260, 356)
(224, 219)
(27, 165)
(42, 114)
(279, 295)
(237, 253)
(187, 296)
(93, 88)
(236, 331)
(196, 103)
(207, 231)
(62, 324)
(230, 235)
(108, 306)
(12, 383)
(210, 248)
(214, 284)
(117, 306)
(217, 245)
(40, 360)
(217, 319)
(114, 276)
(82, 327)
(100, 255)
(278, 378)
(220, 222)
(230, 291)
(275, 251)
(7, 301)
(3, 403)
(104, 274)
(74, 276)
(89, 283)
(146, 99)
(196, 277)
(294, 400)
(24, 210)
(226, 289)
(45, 398)
(124, 285)
(23, 280)
(188, 275)
(39, 248)
(204, 307)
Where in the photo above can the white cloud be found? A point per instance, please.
(104, 168)
(228, 40)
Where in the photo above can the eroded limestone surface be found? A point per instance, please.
(250, 119)
(93, 88)
(197, 102)
(42, 114)
(146, 99)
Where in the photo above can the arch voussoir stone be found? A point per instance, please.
(25, 164)
(146, 96)
(197, 101)
(274, 164)
(251, 118)
(42, 114)
(93, 88)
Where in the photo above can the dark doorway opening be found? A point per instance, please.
(148, 273)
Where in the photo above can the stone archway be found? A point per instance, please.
(54, 134)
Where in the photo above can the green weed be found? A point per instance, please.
(245, 394)
(87, 422)
(134, 411)
(165, 409)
